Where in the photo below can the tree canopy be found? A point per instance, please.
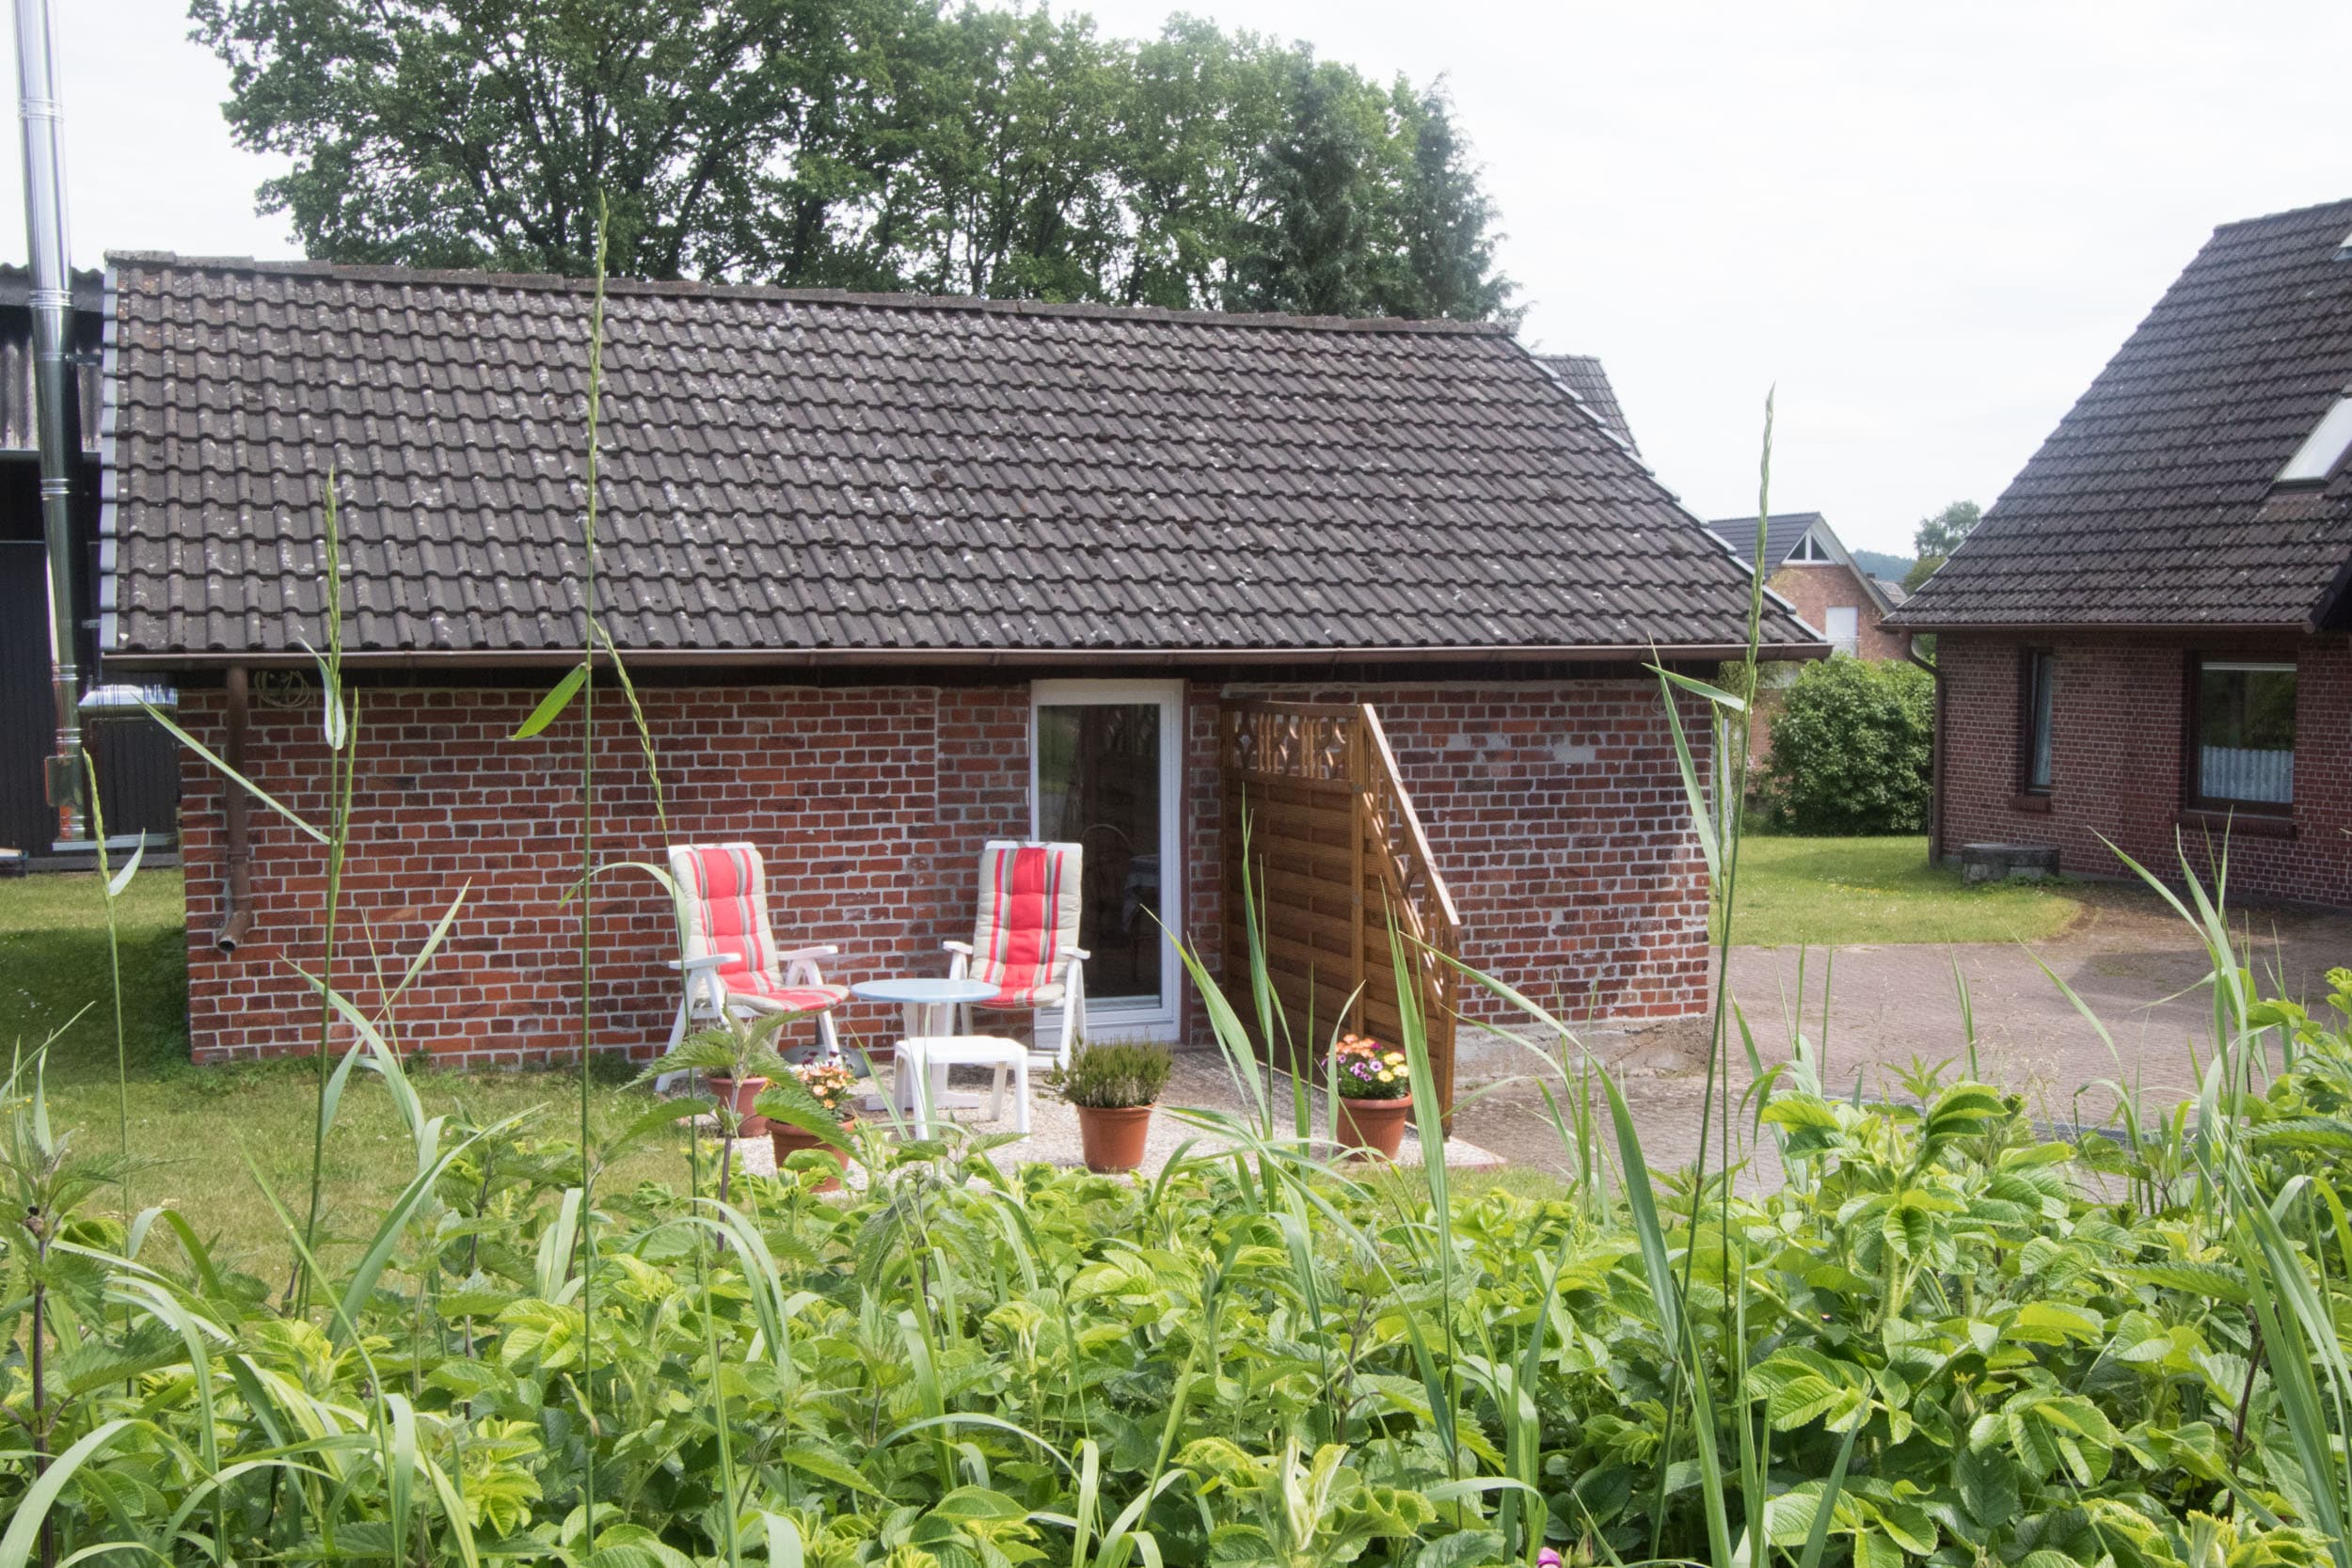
(860, 144)
(1938, 536)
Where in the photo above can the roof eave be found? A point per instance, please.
(1899, 622)
(1008, 658)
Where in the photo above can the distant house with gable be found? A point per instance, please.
(2144, 640)
(1809, 565)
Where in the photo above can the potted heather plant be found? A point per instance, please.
(1113, 1089)
(810, 1106)
(1375, 1086)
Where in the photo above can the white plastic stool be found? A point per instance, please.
(931, 1056)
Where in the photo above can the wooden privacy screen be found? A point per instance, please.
(1334, 851)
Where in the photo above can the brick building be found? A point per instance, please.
(1815, 576)
(2143, 646)
(1810, 570)
(892, 577)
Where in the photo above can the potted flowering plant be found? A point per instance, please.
(1374, 1085)
(807, 1107)
(1113, 1089)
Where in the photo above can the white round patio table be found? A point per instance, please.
(929, 1002)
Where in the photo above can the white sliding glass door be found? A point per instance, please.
(1104, 763)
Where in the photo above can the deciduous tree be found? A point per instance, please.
(862, 144)
(1937, 537)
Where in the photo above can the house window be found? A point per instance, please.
(2039, 685)
(1843, 624)
(1809, 549)
(2242, 729)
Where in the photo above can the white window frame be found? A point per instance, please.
(1850, 644)
(1122, 1018)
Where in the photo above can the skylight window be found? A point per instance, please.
(2323, 450)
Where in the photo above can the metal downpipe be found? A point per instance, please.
(56, 412)
(236, 809)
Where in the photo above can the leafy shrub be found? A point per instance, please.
(1115, 1075)
(1852, 746)
(1952, 1314)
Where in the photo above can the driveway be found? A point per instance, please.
(1873, 1009)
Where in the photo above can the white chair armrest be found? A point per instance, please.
(809, 953)
(1080, 954)
(703, 965)
(963, 947)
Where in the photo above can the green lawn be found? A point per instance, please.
(203, 1122)
(1881, 889)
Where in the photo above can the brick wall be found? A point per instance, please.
(1557, 815)
(2116, 760)
(1812, 587)
(1555, 811)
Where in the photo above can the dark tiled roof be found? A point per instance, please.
(17, 399)
(846, 476)
(2152, 504)
(1588, 381)
(1783, 532)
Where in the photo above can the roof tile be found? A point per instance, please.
(2152, 504)
(796, 471)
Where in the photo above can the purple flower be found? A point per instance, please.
(1548, 1559)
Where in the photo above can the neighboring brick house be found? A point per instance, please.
(2144, 642)
(1809, 568)
(893, 576)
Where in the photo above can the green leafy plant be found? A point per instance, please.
(1851, 745)
(1114, 1074)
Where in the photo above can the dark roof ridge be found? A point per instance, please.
(553, 283)
(2282, 214)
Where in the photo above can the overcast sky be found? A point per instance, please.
(1929, 226)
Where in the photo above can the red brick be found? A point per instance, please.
(1555, 811)
(2115, 759)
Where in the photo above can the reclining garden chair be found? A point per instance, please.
(731, 965)
(1026, 942)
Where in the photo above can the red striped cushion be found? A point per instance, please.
(1023, 996)
(1028, 919)
(791, 999)
(732, 912)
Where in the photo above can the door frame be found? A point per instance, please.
(1127, 1019)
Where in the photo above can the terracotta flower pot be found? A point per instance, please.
(1373, 1126)
(788, 1140)
(1111, 1136)
(736, 1094)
